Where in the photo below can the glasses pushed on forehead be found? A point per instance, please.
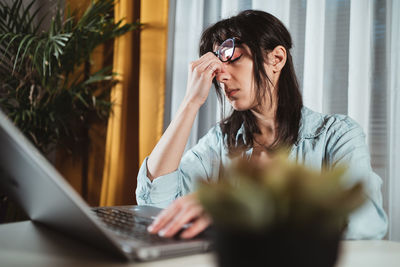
(226, 50)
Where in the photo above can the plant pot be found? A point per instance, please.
(277, 248)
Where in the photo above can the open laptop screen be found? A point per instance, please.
(45, 196)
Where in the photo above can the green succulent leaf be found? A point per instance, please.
(256, 198)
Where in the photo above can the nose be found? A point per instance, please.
(224, 75)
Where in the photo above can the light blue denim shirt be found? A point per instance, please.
(323, 140)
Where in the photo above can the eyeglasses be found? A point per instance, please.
(226, 50)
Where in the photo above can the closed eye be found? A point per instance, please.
(233, 60)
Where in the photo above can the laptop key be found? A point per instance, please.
(129, 225)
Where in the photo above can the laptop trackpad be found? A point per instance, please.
(145, 211)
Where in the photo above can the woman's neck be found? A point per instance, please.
(266, 121)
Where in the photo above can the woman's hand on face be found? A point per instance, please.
(183, 211)
(201, 74)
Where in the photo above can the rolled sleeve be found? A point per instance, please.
(200, 162)
(159, 192)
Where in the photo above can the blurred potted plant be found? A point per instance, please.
(282, 215)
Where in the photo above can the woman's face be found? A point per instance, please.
(237, 81)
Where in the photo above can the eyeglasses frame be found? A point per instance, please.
(217, 53)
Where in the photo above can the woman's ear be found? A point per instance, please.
(277, 58)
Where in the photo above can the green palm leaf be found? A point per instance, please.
(47, 87)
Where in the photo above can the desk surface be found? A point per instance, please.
(28, 244)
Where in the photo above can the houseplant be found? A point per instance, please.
(48, 87)
(282, 214)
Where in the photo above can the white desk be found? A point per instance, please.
(28, 244)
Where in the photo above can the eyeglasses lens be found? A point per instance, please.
(226, 49)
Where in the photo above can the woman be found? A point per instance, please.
(248, 59)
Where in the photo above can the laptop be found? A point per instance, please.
(46, 197)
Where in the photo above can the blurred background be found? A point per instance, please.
(346, 55)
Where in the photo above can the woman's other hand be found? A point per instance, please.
(183, 211)
(200, 76)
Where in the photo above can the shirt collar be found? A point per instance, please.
(311, 125)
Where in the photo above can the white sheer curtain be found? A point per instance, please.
(393, 111)
(346, 55)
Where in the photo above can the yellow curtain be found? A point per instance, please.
(115, 177)
(71, 166)
(123, 136)
(153, 50)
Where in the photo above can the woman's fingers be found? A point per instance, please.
(170, 212)
(207, 61)
(164, 218)
(209, 66)
(185, 216)
(212, 69)
(197, 226)
(195, 63)
(183, 211)
(201, 74)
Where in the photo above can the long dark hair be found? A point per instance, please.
(261, 32)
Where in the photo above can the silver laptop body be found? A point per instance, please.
(48, 199)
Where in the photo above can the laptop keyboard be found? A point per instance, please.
(129, 225)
